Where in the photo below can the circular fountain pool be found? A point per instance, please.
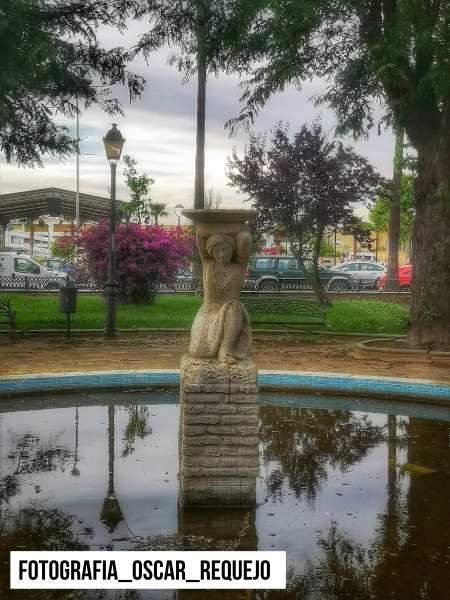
(356, 492)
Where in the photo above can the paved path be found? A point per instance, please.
(164, 350)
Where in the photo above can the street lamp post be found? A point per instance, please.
(177, 210)
(114, 142)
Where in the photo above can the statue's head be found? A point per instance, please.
(221, 247)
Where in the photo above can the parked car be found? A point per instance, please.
(183, 273)
(404, 278)
(56, 264)
(367, 273)
(26, 267)
(268, 273)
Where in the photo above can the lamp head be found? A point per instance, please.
(114, 142)
(177, 210)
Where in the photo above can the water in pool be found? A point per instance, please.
(356, 492)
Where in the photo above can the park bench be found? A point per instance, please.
(8, 316)
(285, 312)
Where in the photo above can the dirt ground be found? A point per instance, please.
(285, 352)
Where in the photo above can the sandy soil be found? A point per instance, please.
(164, 350)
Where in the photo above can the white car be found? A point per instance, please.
(28, 271)
(367, 273)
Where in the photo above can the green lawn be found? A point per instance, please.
(178, 311)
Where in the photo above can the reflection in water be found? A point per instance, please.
(34, 529)
(359, 500)
(137, 427)
(111, 514)
(303, 443)
(75, 470)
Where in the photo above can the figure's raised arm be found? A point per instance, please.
(243, 246)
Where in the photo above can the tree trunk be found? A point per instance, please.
(312, 275)
(430, 305)
(394, 213)
(316, 283)
(199, 188)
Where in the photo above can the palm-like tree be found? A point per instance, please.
(158, 209)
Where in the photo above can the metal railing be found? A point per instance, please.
(334, 287)
(188, 286)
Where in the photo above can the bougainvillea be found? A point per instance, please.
(146, 256)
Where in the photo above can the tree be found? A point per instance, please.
(63, 247)
(379, 213)
(51, 58)
(146, 256)
(139, 186)
(184, 24)
(303, 186)
(361, 232)
(396, 53)
(394, 211)
(158, 209)
(200, 30)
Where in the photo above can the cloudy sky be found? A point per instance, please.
(160, 134)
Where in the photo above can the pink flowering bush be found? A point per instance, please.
(146, 256)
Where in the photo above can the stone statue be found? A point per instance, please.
(221, 328)
(219, 412)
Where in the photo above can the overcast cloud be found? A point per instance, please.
(160, 134)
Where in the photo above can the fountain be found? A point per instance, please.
(218, 424)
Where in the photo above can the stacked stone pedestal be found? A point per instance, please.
(218, 433)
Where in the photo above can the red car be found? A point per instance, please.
(404, 278)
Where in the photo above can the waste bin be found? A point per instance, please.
(68, 299)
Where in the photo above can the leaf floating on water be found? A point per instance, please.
(413, 469)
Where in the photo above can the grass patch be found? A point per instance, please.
(178, 311)
(368, 316)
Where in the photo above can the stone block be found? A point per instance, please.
(218, 433)
(198, 450)
(220, 409)
(224, 441)
(240, 419)
(220, 461)
(201, 419)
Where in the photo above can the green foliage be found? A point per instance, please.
(63, 247)
(303, 185)
(140, 208)
(157, 210)
(395, 52)
(379, 214)
(209, 28)
(327, 249)
(361, 230)
(139, 186)
(51, 57)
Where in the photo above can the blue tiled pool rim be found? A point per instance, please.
(325, 383)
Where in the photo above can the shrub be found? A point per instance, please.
(146, 257)
(63, 247)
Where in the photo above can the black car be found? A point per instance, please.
(273, 273)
